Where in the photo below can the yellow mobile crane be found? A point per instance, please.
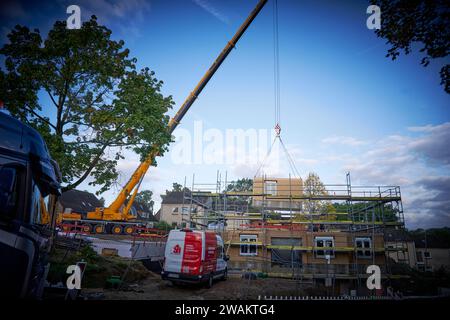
(116, 218)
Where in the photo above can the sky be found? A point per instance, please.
(344, 107)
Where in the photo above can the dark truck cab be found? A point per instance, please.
(27, 174)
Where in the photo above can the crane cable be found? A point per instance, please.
(277, 97)
(276, 69)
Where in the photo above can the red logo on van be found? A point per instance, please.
(176, 249)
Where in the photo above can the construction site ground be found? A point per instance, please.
(154, 288)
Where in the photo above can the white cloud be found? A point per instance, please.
(127, 16)
(348, 141)
(419, 165)
(434, 144)
(208, 7)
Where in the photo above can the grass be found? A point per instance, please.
(98, 268)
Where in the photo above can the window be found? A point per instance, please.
(185, 210)
(363, 247)
(220, 253)
(248, 247)
(324, 242)
(175, 210)
(270, 188)
(8, 191)
(35, 217)
(427, 254)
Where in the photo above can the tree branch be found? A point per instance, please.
(87, 172)
(40, 117)
(51, 97)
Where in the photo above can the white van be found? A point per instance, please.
(194, 256)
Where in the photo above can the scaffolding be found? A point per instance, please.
(304, 232)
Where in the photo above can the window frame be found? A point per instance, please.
(323, 255)
(248, 238)
(273, 190)
(361, 251)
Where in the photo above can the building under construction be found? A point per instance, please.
(323, 236)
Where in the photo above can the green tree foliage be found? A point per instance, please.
(435, 237)
(425, 23)
(176, 187)
(163, 225)
(144, 198)
(313, 186)
(363, 211)
(240, 185)
(97, 103)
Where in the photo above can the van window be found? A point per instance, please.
(220, 253)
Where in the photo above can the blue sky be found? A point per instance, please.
(344, 105)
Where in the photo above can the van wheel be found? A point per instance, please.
(210, 281)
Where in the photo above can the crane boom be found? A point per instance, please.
(112, 211)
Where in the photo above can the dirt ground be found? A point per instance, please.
(154, 288)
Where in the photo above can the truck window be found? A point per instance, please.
(8, 192)
(35, 217)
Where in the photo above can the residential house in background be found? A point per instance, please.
(432, 259)
(417, 255)
(177, 207)
(78, 201)
(142, 211)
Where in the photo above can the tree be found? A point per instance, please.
(405, 23)
(313, 186)
(144, 198)
(240, 185)
(239, 202)
(361, 210)
(98, 104)
(176, 187)
(435, 237)
(163, 225)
